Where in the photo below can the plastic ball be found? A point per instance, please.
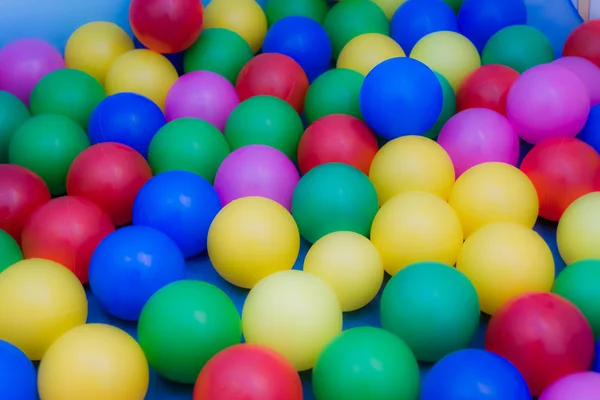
(351, 18)
(273, 74)
(416, 226)
(279, 9)
(126, 118)
(47, 145)
(130, 265)
(474, 374)
(24, 62)
(252, 238)
(337, 138)
(21, 193)
(547, 101)
(93, 47)
(585, 70)
(582, 42)
(188, 144)
(244, 17)
(10, 252)
(504, 260)
(486, 87)
(544, 335)
(350, 264)
(248, 370)
(389, 7)
(166, 26)
(577, 232)
(479, 135)
(39, 301)
(19, 377)
(582, 385)
(334, 92)
(596, 365)
(143, 72)
(176, 342)
(271, 316)
(448, 108)
(218, 50)
(366, 51)
(96, 361)
(13, 114)
(265, 120)
(400, 97)
(449, 53)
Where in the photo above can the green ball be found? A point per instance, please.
(218, 50)
(10, 252)
(454, 4)
(366, 363)
(188, 144)
(278, 9)
(47, 145)
(351, 18)
(334, 92)
(69, 92)
(432, 307)
(13, 113)
(580, 283)
(519, 47)
(184, 325)
(265, 120)
(448, 108)
(334, 197)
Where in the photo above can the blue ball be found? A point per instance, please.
(399, 97)
(18, 379)
(180, 204)
(476, 375)
(418, 18)
(130, 265)
(591, 131)
(596, 366)
(479, 20)
(302, 39)
(126, 118)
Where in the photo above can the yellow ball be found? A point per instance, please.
(94, 362)
(244, 17)
(449, 53)
(578, 232)
(39, 301)
(365, 51)
(411, 163)
(143, 72)
(494, 192)
(504, 260)
(389, 7)
(252, 238)
(294, 313)
(93, 48)
(350, 264)
(416, 226)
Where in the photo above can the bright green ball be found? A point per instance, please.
(10, 252)
(184, 325)
(279, 9)
(334, 197)
(366, 363)
(448, 108)
(13, 113)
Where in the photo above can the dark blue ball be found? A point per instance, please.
(18, 379)
(591, 131)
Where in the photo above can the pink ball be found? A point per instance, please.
(585, 70)
(24, 62)
(547, 101)
(579, 386)
(479, 135)
(257, 170)
(204, 95)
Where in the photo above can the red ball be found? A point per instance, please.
(544, 335)
(337, 138)
(249, 372)
(21, 193)
(584, 42)
(66, 230)
(486, 87)
(273, 74)
(110, 175)
(562, 170)
(166, 26)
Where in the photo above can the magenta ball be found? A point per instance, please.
(479, 135)
(579, 386)
(585, 70)
(204, 95)
(547, 101)
(24, 62)
(257, 170)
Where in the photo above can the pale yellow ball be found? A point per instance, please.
(578, 232)
(366, 51)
